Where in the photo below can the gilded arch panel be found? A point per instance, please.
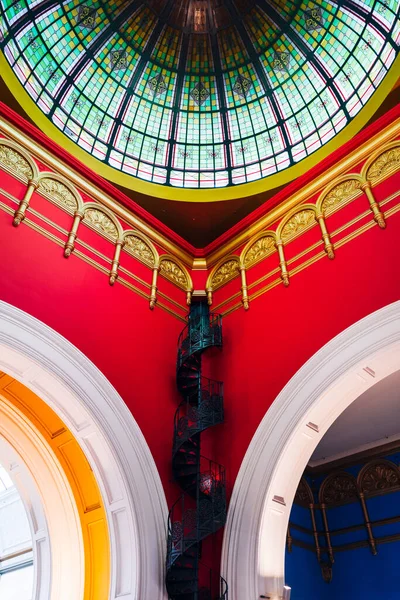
(59, 190)
(102, 220)
(17, 161)
(258, 248)
(339, 192)
(172, 269)
(140, 246)
(223, 272)
(382, 164)
(299, 220)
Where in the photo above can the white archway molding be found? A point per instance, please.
(50, 506)
(255, 533)
(97, 416)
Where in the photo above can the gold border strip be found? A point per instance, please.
(106, 259)
(129, 218)
(92, 262)
(315, 187)
(315, 258)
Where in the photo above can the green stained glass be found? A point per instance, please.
(153, 96)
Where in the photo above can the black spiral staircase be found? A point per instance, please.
(201, 509)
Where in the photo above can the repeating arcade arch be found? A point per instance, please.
(338, 192)
(140, 246)
(172, 269)
(259, 247)
(58, 189)
(382, 163)
(102, 220)
(17, 160)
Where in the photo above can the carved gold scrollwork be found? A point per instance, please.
(386, 163)
(378, 477)
(172, 271)
(297, 223)
(101, 221)
(259, 249)
(14, 161)
(139, 248)
(228, 270)
(58, 192)
(340, 193)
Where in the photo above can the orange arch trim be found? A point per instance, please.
(81, 479)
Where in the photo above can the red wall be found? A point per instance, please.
(134, 347)
(265, 346)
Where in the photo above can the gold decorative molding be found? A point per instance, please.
(244, 289)
(224, 273)
(58, 191)
(175, 272)
(140, 248)
(263, 246)
(282, 263)
(99, 217)
(15, 161)
(341, 171)
(19, 214)
(339, 194)
(296, 224)
(101, 221)
(50, 236)
(70, 243)
(341, 242)
(376, 210)
(115, 261)
(28, 146)
(385, 164)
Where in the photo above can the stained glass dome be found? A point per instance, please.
(200, 93)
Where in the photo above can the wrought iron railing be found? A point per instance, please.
(201, 509)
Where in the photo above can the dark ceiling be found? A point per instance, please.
(199, 223)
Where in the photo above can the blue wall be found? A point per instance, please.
(357, 574)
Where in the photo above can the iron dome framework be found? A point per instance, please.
(200, 93)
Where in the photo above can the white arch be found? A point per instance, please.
(255, 534)
(50, 507)
(79, 393)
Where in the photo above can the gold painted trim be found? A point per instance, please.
(20, 150)
(326, 181)
(198, 195)
(351, 236)
(128, 217)
(167, 258)
(374, 158)
(50, 236)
